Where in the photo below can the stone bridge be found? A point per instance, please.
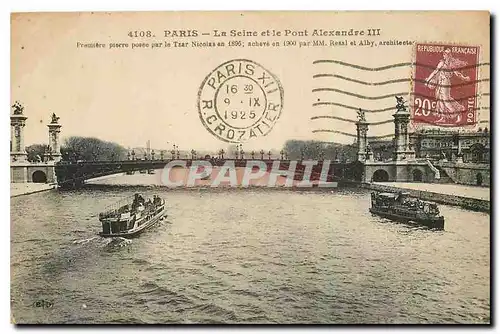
(423, 170)
(74, 175)
(418, 170)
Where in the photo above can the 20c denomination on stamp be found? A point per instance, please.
(240, 100)
(446, 85)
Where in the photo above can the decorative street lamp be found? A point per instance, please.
(240, 149)
(253, 155)
(49, 153)
(173, 152)
(193, 154)
(222, 153)
(282, 153)
(176, 147)
(269, 155)
(133, 155)
(152, 154)
(262, 154)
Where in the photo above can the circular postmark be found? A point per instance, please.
(240, 100)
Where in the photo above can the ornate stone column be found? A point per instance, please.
(17, 123)
(54, 132)
(362, 131)
(401, 136)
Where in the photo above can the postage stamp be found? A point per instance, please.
(240, 100)
(445, 91)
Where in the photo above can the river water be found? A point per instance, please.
(245, 256)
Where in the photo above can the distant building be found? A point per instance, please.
(439, 144)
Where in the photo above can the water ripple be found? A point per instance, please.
(253, 256)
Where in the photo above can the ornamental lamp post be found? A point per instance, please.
(269, 155)
(133, 155)
(262, 154)
(173, 152)
(152, 154)
(222, 153)
(281, 154)
(253, 155)
(49, 153)
(177, 148)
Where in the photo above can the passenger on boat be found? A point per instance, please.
(138, 200)
(156, 200)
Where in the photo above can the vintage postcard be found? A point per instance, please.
(250, 168)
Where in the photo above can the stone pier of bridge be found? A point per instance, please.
(22, 170)
(405, 166)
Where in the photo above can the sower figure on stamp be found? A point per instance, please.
(440, 80)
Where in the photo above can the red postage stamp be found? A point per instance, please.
(445, 89)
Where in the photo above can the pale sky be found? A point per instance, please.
(131, 96)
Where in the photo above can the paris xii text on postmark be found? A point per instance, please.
(240, 100)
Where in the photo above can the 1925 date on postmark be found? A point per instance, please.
(240, 100)
(446, 85)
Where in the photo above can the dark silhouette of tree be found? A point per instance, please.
(36, 152)
(91, 149)
(316, 150)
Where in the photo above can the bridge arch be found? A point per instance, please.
(479, 179)
(39, 176)
(380, 175)
(417, 175)
(477, 152)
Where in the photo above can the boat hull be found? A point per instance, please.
(434, 223)
(136, 231)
